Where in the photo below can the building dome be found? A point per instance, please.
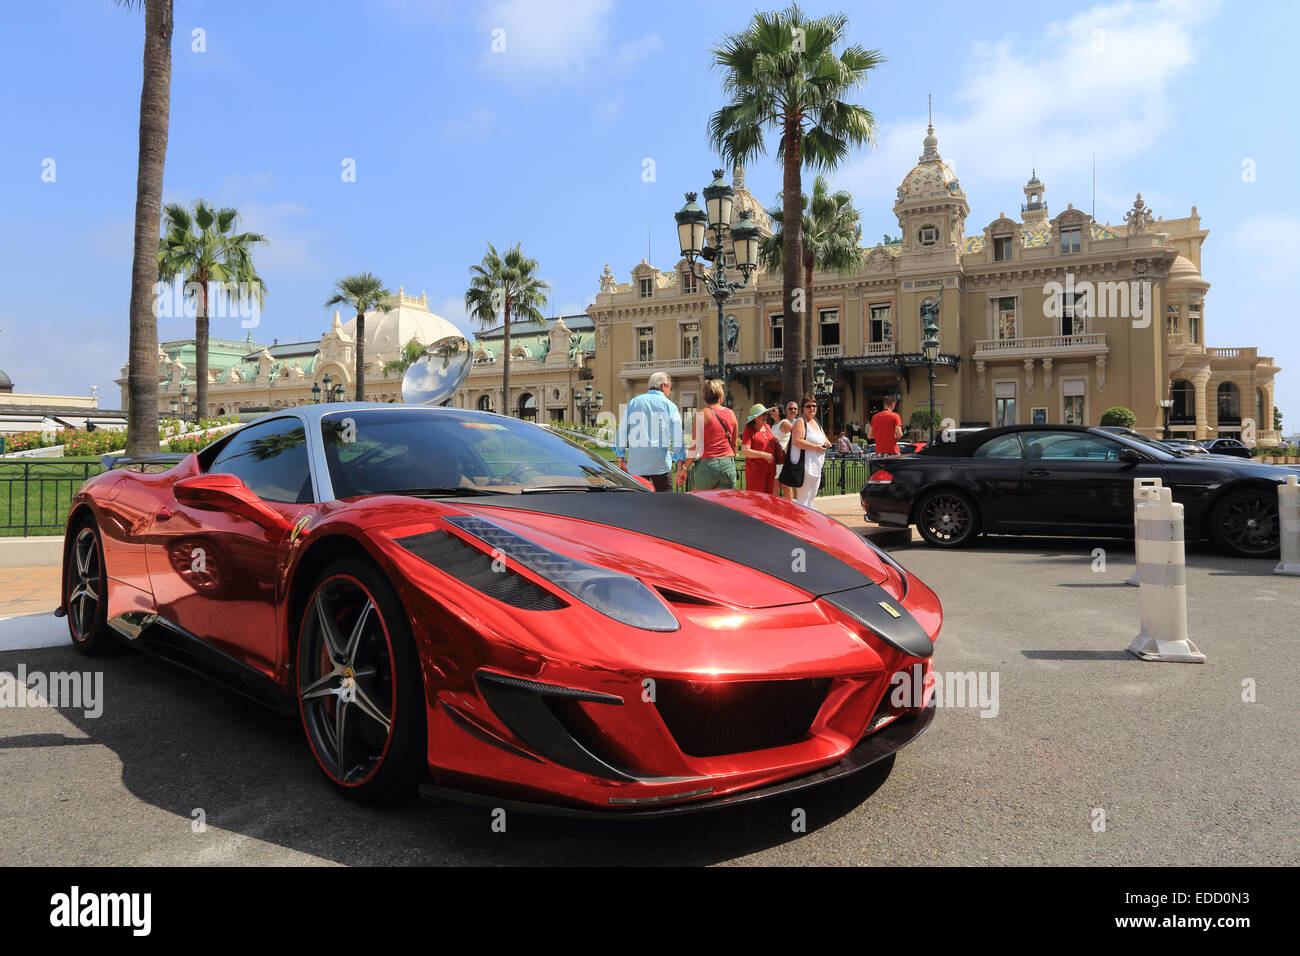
(388, 332)
(1183, 274)
(6, 383)
(743, 199)
(931, 177)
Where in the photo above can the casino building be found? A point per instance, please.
(1041, 318)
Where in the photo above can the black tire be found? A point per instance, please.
(382, 726)
(947, 519)
(85, 593)
(1244, 523)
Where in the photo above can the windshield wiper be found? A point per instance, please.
(549, 488)
(430, 492)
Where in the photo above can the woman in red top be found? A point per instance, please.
(759, 448)
(715, 441)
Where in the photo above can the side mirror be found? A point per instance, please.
(1130, 455)
(227, 493)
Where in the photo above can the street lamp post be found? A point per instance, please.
(824, 391)
(329, 392)
(338, 392)
(1165, 405)
(184, 399)
(315, 393)
(930, 349)
(590, 406)
(692, 222)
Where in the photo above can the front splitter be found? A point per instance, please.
(871, 750)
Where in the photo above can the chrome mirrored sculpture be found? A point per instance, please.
(437, 374)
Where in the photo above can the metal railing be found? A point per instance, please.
(35, 495)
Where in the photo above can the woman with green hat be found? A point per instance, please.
(760, 446)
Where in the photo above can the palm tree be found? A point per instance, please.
(782, 73)
(511, 286)
(364, 292)
(830, 232)
(409, 355)
(201, 246)
(155, 109)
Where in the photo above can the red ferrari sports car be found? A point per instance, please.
(477, 606)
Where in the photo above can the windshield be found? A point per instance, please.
(405, 450)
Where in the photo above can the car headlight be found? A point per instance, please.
(615, 595)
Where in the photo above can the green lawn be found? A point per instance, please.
(37, 492)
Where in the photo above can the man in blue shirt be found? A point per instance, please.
(650, 438)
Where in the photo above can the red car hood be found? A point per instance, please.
(742, 549)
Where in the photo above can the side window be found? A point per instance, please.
(271, 459)
(1072, 445)
(1004, 446)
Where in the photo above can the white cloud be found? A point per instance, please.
(549, 41)
(1098, 81)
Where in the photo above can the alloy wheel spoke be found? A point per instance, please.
(328, 632)
(364, 704)
(322, 687)
(354, 639)
(341, 709)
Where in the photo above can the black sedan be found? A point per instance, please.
(1226, 446)
(1070, 481)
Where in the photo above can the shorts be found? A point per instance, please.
(713, 473)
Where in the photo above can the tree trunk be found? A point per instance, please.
(505, 363)
(809, 353)
(361, 355)
(155, 108)
(201, 352)
(791, 259)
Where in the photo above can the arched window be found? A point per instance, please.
(485, 403)
(1229, 404)
(528, 407)
(1263, 414)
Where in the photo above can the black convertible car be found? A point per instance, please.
(1070, 481)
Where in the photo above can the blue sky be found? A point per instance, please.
(546, 142)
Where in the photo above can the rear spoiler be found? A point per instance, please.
(150, 464)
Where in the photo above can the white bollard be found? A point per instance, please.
(1288, 525)
(1162, 573)
(1146, 491)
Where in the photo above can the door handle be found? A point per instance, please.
(1038, 472)
(163, 513)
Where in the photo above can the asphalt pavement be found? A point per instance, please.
(1088, 755)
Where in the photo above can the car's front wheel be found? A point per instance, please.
(947, 519)
(359, 687)
(1245, 523)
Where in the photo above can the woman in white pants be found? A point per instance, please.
(810, 441)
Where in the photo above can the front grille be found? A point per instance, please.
(711, 719)
(472, 566)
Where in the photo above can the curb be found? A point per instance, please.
(34, 552)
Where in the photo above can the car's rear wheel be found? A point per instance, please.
(359, 687)
(947, 519)
(85, 594)
(1245, 523)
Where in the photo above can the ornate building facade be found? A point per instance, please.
(549, 369)
(1041, 320)
(248, 378)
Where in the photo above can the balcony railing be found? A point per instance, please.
(1088, 343)
(1233, 353)
(663, 365)
(880, 348)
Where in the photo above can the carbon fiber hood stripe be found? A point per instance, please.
(734, 536)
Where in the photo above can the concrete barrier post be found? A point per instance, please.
(1146, 491)
(1288, 525)
(1162, 574)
